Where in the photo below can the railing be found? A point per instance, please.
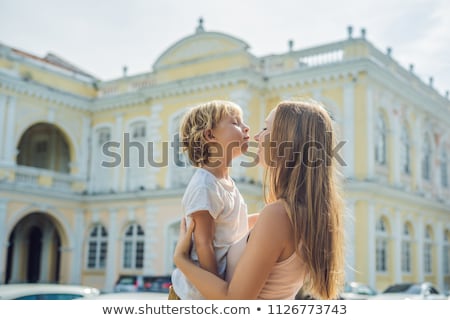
(31, 177)
(340, 52)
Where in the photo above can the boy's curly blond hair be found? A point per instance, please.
(198, 119)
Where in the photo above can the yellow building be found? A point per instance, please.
(91, 183)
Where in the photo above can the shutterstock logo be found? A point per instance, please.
(129, 153)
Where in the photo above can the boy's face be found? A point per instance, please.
(231, 136)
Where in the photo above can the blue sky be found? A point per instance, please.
(104, 35)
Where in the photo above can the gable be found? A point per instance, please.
(198, 46)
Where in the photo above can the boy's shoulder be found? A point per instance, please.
(202, 175)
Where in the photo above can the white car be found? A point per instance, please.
(129, 296)
(44, 291)
(357, 291)
(412, 291)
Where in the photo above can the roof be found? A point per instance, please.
(50, 59)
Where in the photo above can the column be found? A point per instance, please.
(348, 125)
(84, 147)
(370, 135)
(371, 250)
(17, 265)
(118, 136)
(396, 147)
(397, 235)
(77, 266)
(2, 126)
(9, 146)
(417, 154)
(350, 240)
(46, 255)
(3, 238)
(111, 259)
(439, 254)
(152, 250)
(154, 131)
(419, 247)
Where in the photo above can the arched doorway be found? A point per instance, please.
(34, 250)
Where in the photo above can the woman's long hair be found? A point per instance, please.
(302, 173)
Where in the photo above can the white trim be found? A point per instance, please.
(10, 150)
(348, 126)
(370, 134)
(79, 234)
(3, 238)
(111, 265)
(54, 96)
(397, 236)
(371, 235)
(350, 253)
(420, 244)
(2, 127)
(150, 242)
(116, 135)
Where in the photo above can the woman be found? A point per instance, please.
(298, 237)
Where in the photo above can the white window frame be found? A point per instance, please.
(406, 248)
(133, 247)
(382, 251)
(98, 238)
(428, 251)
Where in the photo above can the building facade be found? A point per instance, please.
(91, 179)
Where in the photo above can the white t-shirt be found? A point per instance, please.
(226, 205)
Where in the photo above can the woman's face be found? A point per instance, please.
(263, 138)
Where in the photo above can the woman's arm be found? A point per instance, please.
(252, 218)
(267, 241)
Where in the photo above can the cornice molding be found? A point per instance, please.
(319, 74)
(371, 190)
(181, 87)
(39, 91)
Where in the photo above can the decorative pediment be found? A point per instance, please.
(200, 45)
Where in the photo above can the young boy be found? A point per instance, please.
(212, 134)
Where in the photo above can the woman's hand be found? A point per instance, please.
(184, 244)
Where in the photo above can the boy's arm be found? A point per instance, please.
(252, 218)
(204, 240)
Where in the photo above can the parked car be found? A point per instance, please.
(357, 291)
(414, 291)
(43, 291)
(129, 296)
(139, 283)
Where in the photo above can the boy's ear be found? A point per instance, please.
(208, 134)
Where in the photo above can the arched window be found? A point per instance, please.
(381, 246)
(444, 166)
(133, 247)
(428, 245)
(44, 146)
(446, 254)
(406, 248)
(405, 151)
(426, 158)
(97, 247)
(380, 140)
(135, 159)
(101, 170)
